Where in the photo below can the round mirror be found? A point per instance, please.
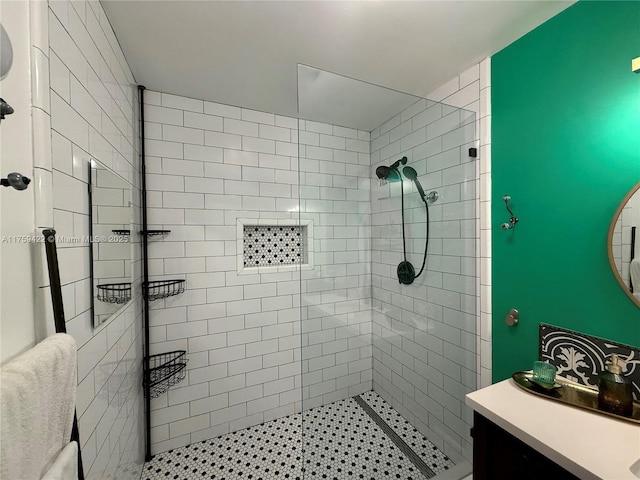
(624, 244)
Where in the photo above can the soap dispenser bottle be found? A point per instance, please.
(615, 392)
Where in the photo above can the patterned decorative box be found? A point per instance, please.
(581, 357)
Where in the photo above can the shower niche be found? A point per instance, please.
(273, 245)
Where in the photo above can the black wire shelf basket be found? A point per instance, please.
(154, 233)
(119, 293)
(158, 289)
(165, 370)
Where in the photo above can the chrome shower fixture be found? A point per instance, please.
(15, 180)
(513, 220)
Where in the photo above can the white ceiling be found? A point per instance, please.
(246, 53)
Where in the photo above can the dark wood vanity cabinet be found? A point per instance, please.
(498, 455)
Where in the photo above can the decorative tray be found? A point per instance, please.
(571, 394)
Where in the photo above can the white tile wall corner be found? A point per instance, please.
(449, 94)
(485, 224)
(41, 115)
(213, 168)
(426, 336)
(336, 295)
(83, 107)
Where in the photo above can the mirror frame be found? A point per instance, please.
(612, 262)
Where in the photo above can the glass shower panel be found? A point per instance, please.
(376, 352)
(424, 334)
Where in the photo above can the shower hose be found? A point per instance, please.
(405, 269)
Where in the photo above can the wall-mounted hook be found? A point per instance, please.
(513, 220)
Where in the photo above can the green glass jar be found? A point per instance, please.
(615, 392)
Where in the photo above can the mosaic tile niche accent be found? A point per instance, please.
(273, 245)
(581, 357)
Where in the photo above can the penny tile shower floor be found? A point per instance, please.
(342, 441)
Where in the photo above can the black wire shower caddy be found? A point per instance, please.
(119, 293)
(158, 289)
(163, 370)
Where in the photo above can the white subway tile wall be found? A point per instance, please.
(210, 172)
(89, 95)
(426, 336)
(484, 224)
(336, 294)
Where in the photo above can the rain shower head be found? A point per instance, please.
(387, 173)
(391, 173)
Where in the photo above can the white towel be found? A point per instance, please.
(66, 465)
(37, 401)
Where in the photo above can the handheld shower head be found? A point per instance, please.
(411, 174)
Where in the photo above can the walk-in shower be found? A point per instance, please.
(307, 357)
(377, 353)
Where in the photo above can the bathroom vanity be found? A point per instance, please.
(523, 436)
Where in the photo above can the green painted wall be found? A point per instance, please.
(566, 147)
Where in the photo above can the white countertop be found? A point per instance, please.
(589, 445)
